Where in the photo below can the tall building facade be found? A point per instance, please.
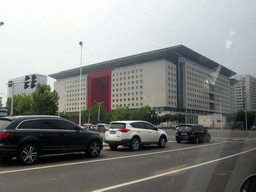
(18, 84)
(245, 91)
(171, 80)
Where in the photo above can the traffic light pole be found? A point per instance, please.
(11, 84)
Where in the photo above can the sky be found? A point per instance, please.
(43, 36)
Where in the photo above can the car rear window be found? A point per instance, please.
(4, 124)
(117, 126)
(185, 128)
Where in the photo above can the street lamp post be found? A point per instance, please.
(151, 103)
(220, 110)
(100, 103)
(81, 44)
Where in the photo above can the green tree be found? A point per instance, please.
(133, 115)
(121, 113)
(144, 113)
(93, 111)
(44, 102)
(1, 104)
(21, 104)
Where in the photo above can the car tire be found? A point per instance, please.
(196, 140)
(28, 154)
(208, 138)
(113, 147)
(135, 144)
(162, 142)
(178, 141)
(94, 148)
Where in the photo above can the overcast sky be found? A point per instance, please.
(43, 36)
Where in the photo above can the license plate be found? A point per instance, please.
(183, 133)
(112, 132)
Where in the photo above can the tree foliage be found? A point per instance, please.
(121, 113)
(41, 102)
(1, 104)
(44, 102)
(93, 112)
(241, 116)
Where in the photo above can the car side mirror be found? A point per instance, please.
(78, 128)
(249, 184)
(156, 128)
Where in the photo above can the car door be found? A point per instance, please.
(141, 131)
(72, 138)
(152, 131)
(45, 131)
(200, 132)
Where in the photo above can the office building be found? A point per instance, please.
(245, 91)
(171, 80)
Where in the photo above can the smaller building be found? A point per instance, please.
(245, 91)
(212, 121)
(19, 85)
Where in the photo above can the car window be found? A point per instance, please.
(138, 125)
(48, 124)
(117, 125)
(66, 125)
(185, 128)
(29, 124)
(148, 126)
(4, 124)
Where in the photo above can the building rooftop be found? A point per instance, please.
(171, 54)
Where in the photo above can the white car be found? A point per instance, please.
(134, 134)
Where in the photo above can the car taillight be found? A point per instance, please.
(124, 130)
(4, 135)
(193, 132)
(177, 132)
(106, 129)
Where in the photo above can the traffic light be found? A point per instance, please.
(33, 81)
(26, 83)
(10, 83)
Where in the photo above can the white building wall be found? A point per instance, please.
(19, 85)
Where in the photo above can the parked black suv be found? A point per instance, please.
(28, 137)
(193, 133)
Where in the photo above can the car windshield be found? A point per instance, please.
(185, 128)
(117, 126)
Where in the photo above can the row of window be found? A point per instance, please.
(128, 83)
(127, 72)
(128, 88)
(128, 99)
(128, 105)
(129, 77)
(128, 94)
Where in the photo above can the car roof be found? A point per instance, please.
(21, 117)
(191, 125)
(130, 121)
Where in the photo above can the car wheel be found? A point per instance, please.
(196, 140)
(93, 149)
(113, 147)
(162, 142)
(135, 144)
(208, 138)
(27, 154)
(178, 141)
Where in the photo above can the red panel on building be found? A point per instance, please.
(99, 89)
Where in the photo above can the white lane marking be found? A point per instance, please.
(171, 172)
(109, 159)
